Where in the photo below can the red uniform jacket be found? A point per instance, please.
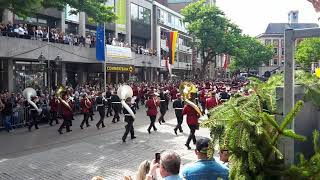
(135, 91)
(203, 96)
(85, 105)
(192, 115)
(66, 111)
(152, 107)
(54, 104)
(174, 93)
(211, 103)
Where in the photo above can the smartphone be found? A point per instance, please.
(157, 157)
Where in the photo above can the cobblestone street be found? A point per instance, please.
(82, 154)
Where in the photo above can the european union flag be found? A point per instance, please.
(100, 44)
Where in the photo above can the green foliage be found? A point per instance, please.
(214, 33)
(307, 169)
(308, 51)
(247, 127)
(95, 9)
(251, 54)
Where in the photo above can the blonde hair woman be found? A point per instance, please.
(143, 170)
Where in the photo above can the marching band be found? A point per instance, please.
(186, 99)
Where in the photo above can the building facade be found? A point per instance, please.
(135, 47)
(274, 35)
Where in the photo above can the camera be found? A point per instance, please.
(157, 157)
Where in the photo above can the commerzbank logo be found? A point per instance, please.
(128, 69)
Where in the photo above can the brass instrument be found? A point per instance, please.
(185, 89)
(59, 92)
(28, 93)
(125, 92)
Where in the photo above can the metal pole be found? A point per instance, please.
(105, 64)
(49, 69)
(288, 92)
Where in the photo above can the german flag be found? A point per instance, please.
(172, 44)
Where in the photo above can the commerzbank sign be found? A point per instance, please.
(123, 69)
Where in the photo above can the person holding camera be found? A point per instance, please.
(169, 166)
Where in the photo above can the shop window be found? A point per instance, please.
(134, 11)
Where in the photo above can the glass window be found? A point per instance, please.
(141, 9)
(282, 51)
(169, 18)
(134, 11)
(275, 50)
(146, 16)
(275, 61)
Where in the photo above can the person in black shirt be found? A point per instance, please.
(109, 104)
(34, 114)
(7, 113)
(129, 119)
(115, 100)
(178, 108)
(163, 106)
(101, 102)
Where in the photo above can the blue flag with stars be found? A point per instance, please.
(100, 44)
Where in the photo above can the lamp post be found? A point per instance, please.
(41, 60)
(57, 61)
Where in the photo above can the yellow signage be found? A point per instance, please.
(128, 69)
(318, 72)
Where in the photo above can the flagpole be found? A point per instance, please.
(105, 64)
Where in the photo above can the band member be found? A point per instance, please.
(109, 104)
(163, 106)
(91, 98)
(116, 105)
(101, 103)
(129, 119)
(152, 111)
(211, 101)
(203, 99)
(178, 108)
(192, 121)
(53, 109)
(85, 105)
(67, 113)
(136, 95)
(34, 113)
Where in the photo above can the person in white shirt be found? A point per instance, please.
(39, 33)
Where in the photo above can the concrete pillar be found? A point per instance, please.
(128, 23)
(82, 24)
(109, 78)
(7, 16)
(288, 93)
(63, 74)
(63, 21)
(151, 74)
(10, 75)
(117, 77)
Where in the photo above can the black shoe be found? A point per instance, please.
(69, 130)
(123, 140)
(97, 126)
(37, 128)
(118, 120)
(60, 132)
(188, 146)
(194, 142)
(50, 124)
(113, 122)
(181, 131)
(133, 137)
(175, 131)
(160, 122)
(155, 129)
(88, 125)
(81, 127)
(163, 121)
(149, 131)
(103, 126)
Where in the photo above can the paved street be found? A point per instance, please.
(82, 154)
